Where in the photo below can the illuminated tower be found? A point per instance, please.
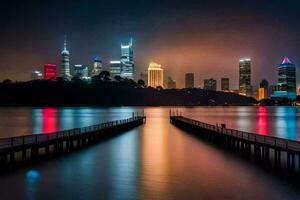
(155, 75)
(127, 63)
(245, 87)
(97, 67)
(50, 72)
(65, 64)
(286, 86)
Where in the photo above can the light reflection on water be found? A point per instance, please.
(153, 161)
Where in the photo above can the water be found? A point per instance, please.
(153, 161)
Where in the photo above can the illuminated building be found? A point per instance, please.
(65, 64)
(245, 77)
(155, 75)
(286, 85)
(262, 94)
(224, 84)
(36, 75)
(265, 84)
(127, 62)
(115, 68)
(171, 83)
(97, 67)
(189, 80)
(81, 72)
(49, 72)
(210, 84)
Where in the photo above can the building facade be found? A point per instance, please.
(245, 86)
(225, 84)
(155, 75)
(210, 84)
(81, 72)
(50, 72)
(127, 61)
(97, 67)
(189, 80)
(286, 85)
(115, 68)
(36, 75)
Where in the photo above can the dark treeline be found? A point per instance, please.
(109, 93)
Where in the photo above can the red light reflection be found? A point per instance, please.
(49, 116)
(262, 121)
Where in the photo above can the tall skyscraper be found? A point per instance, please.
(286, 86)
(210, 84)
(171, 83)
(245, 77)
(127, 62)
(225, 84)
(81, 72)
(115, 68)
(97, 67)
(189, 80)
(65, 64)
(155, 75)
(49, 72)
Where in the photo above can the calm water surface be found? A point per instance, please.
(154, 161)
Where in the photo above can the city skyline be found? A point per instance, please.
(247, 35)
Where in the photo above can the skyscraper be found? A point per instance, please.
(127, 62)
(155, 75)
(245, 77)
(189, 80)
(97, 67)
(65, 64)
(115, 68)
(49, 72)
(81, 72)
(225, 84)
(210, 84)
(286, 86)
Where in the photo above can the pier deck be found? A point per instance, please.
(262, 147)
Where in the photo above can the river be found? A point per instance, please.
(153, 161)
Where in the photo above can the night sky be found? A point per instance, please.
(206, 37)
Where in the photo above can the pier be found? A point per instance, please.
(31, 147)
(276, 152)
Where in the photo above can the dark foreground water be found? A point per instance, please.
(154, 161)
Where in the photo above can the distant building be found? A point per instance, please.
(272, 89)
(225, 84)
(286, 86)
(65, 64)
(155, 75)
(36, 75)
(264, 84)
(127, 62)
(49, 72)
(81, 72)
(262, 93)
(144, 77)
(245, 77)
(171, 83)
(189, 80)
(210, 84)
(115, 68)
(97, 67)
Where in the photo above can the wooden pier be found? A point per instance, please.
(31, 147)
(277, 152)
